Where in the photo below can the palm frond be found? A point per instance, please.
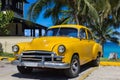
(63, 21)
(92, 11)
(37, 7)
(48, 13)
(114, 39)
(30, 11)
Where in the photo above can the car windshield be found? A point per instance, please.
(70, 32)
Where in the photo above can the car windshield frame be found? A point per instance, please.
(66, 32)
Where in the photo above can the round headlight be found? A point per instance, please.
(61, 49)
(15, 48)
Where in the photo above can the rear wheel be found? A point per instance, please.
(74, 69)
(96, 62)
(24, 70)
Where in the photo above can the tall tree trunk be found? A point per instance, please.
(76, 19)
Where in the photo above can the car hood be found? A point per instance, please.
(48, 43)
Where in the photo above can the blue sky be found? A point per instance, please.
(42, 21)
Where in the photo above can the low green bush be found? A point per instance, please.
(4, 54)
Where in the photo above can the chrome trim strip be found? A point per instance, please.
(48, 52)
(30, 56)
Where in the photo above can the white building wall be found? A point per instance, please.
(8, 42)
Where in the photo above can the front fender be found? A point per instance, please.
(67, 54)
(22, 47)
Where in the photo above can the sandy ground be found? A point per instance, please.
(9, 72)
(105, 73)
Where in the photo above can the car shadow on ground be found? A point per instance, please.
(49, 74)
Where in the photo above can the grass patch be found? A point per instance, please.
(111, 60)
(4, 54)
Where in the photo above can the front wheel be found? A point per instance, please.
(74, 69)
(24, 70)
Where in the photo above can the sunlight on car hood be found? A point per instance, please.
(48, 43)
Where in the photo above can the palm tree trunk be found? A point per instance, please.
(76, 19)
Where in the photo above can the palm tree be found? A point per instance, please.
(74, 11)
(115, 7)
(49, 7)
(104, 28)
(93, 13)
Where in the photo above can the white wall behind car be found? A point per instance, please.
(8, 42)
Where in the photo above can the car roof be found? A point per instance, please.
(69, 26)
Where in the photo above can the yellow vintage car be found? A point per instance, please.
(65, 47)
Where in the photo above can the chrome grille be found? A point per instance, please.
(38, 56)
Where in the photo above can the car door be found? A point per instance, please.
(83, 48)
(91, 42)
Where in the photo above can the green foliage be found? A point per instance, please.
(5, 18)
(6, 54)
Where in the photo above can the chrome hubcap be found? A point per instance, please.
(74, 66)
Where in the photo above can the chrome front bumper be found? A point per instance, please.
(55, 65)
(44, 59)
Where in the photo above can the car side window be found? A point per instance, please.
(90, 37)
(82, 34)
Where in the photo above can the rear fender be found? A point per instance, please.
(97, 49)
